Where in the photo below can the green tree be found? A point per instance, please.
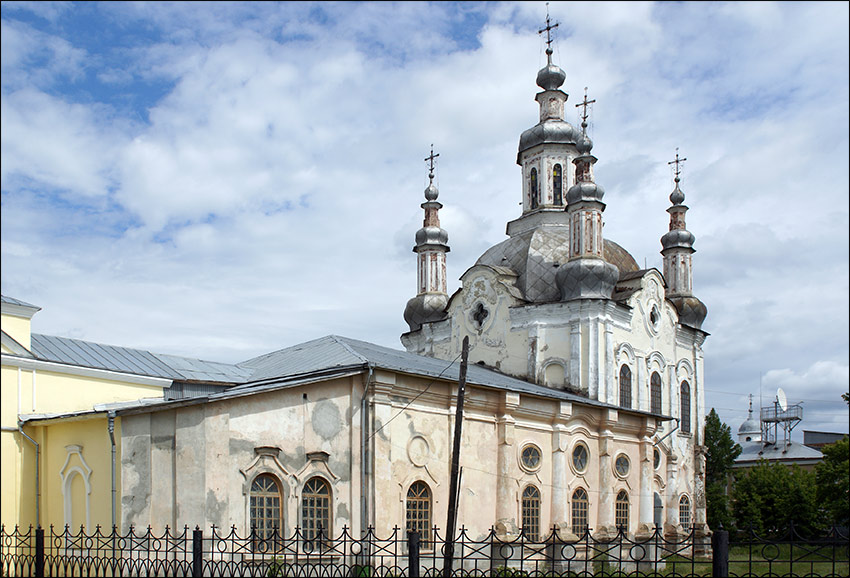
(769, 497)
(833, 482)
(721, 451)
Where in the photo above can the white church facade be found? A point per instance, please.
(584, 405)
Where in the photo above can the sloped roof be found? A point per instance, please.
(135, 361)
(13, 301)
(752, 452)
(336, 352)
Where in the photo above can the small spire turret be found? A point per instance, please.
(677, 248)
(431, 246)
(586, 275)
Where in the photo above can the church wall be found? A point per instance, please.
(195, 464)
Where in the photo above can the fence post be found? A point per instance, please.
(197, 552)
(39, 552)
(413, 554)
(720, 552)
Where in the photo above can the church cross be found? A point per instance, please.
(584, 104)
(430, 159)
(548, 30)
(678, 169)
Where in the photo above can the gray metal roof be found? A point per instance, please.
(334, 351)
(794, 452)
(134, 361)
(13, 301)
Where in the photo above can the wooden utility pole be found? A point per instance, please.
(451, 521)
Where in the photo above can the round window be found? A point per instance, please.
(530, 457)
(580, 457)
(656, 458)
(622, 465)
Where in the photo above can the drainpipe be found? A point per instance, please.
(20, 430)
(364, 462)
(668, 433)
(111, 427)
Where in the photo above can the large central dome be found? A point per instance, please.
(536, 254)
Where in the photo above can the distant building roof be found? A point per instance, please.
(793, 453)
(818, 439)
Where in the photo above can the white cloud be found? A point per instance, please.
(268, 191)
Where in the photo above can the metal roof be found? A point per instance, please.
(334, 351)
(134, 361)
(13, 301)
(794, 452)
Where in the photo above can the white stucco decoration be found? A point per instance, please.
(67, 473)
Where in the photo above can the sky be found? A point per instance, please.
(221, 180)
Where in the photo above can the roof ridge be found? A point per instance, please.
(342, 341)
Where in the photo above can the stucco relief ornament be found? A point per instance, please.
(418, 451)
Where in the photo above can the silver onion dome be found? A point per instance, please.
(431, 236)
(678, 238)
(551, 77)
(425, 308)
(431, 192)
(585, 191)
(691, 310)
(677, 197)
(548, 132)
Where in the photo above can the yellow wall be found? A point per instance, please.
(92, 436)
(55, 393)
(18, 329)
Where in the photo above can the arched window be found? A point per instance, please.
(557, 185)
(685, 413)
(580, 507)
(684, 511)
(419, 510)
(316, 510)
(655, 393)
(621, 515)
(531, 513)
(625, 386)
(535, 190)
(658, 510)
(265, 510)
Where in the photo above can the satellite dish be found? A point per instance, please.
(780, 397)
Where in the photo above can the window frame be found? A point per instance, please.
(576, 447)
(310, 512)
(530, 511)
(685, 407)
(534, 187)
(522, 454)
(422, 505)
(264, 531)
(625, 386)
(685, 506)
(621, 510)
(558, 184)
(580, 508)
(655, 393)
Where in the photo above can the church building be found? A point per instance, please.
(584, 402)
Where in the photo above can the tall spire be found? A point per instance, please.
(586, 275)
(546, 149)
(678, 246)
(431, 246)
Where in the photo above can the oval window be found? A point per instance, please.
(621, 465)
(530, 457)
(580, 457)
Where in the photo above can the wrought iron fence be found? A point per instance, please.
(48, 552)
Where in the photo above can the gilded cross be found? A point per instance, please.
(678, 169)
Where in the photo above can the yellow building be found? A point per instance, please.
(60, 435)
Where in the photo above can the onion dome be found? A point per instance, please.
(551, 77)
(691, 310)
(584, 192)
(677, 238)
